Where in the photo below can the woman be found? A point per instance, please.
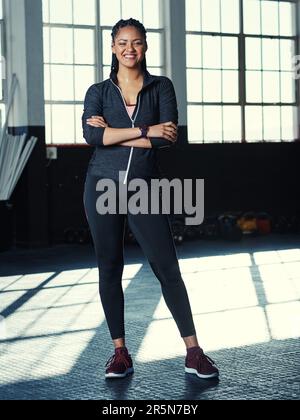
(127, 118)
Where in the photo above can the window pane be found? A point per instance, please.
(132, 8)
(230, 86)
(84, 77)
(48, 124)
(253, 53)
(271, 91)
(287, 52)
(45, 4)
(271, 118)
(151, 15)
(84, 12)
(110, 15)
(288, 87)
(212, 52)
(84, 46)
(212, 123)
(62, 83)
(106, 47)
(253, 121)
(153, 54)
(253, 86)
(252, 17)
(106, 72)
(61, 45)
(61, 114)
(195, 126)
(192, 15)
(211, 85)
(211, 15)
(287, 19)
(270, 54)
(289, 122)
(270, 16)
(230, 58)
(78, 125)
(193, 51)
(47, 82)
(155, 70)
(230, 12)
(60, 11)
(2, 114)
(194, 85)
(46, 45)
(232, 127)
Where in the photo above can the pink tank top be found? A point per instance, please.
(130, 109)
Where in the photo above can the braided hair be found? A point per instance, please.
(121, 24)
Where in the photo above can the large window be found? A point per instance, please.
(240, 84)
(77, 53)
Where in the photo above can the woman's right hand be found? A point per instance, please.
(166, 130)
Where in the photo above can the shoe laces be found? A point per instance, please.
(118, 357)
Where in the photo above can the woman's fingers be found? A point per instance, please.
(96, 121)
(171, 132)
(97, 118)
(97, 124)
(171, 124)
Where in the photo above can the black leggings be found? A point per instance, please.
(153, 233)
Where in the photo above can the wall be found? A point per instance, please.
(261, 176)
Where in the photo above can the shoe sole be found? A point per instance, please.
(195, 372)
(119, 375)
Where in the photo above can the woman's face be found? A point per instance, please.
(129, 47)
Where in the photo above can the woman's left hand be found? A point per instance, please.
(96, 121)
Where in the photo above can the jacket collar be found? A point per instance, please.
(148, 78)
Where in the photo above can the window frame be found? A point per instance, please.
(242, 100)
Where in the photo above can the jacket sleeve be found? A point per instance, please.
(92, 106)
(168, 111)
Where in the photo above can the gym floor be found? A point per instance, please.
(245, 298)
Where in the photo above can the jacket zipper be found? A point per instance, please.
(132, 125)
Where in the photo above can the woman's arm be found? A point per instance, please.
(114, 136)
(166, 132)
(95, 130)
(141, 142)
(168, 111)
(120, 136)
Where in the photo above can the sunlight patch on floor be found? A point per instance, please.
(216, 331)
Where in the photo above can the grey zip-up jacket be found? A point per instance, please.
(156, 104)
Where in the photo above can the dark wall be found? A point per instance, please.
(66, 177)
(260, 176)
(238, 177)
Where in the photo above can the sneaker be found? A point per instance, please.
(198, 363)
(119, 364)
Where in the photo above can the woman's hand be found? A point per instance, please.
(166, 130)
(96, 121)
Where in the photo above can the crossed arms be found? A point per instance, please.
(97, 132)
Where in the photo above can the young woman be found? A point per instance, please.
(127, 118)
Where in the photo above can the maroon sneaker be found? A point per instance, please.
(119, 364)
(198, 363)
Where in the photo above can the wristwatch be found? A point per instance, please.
(144, 130)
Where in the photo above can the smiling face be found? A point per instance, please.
(129, 47)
